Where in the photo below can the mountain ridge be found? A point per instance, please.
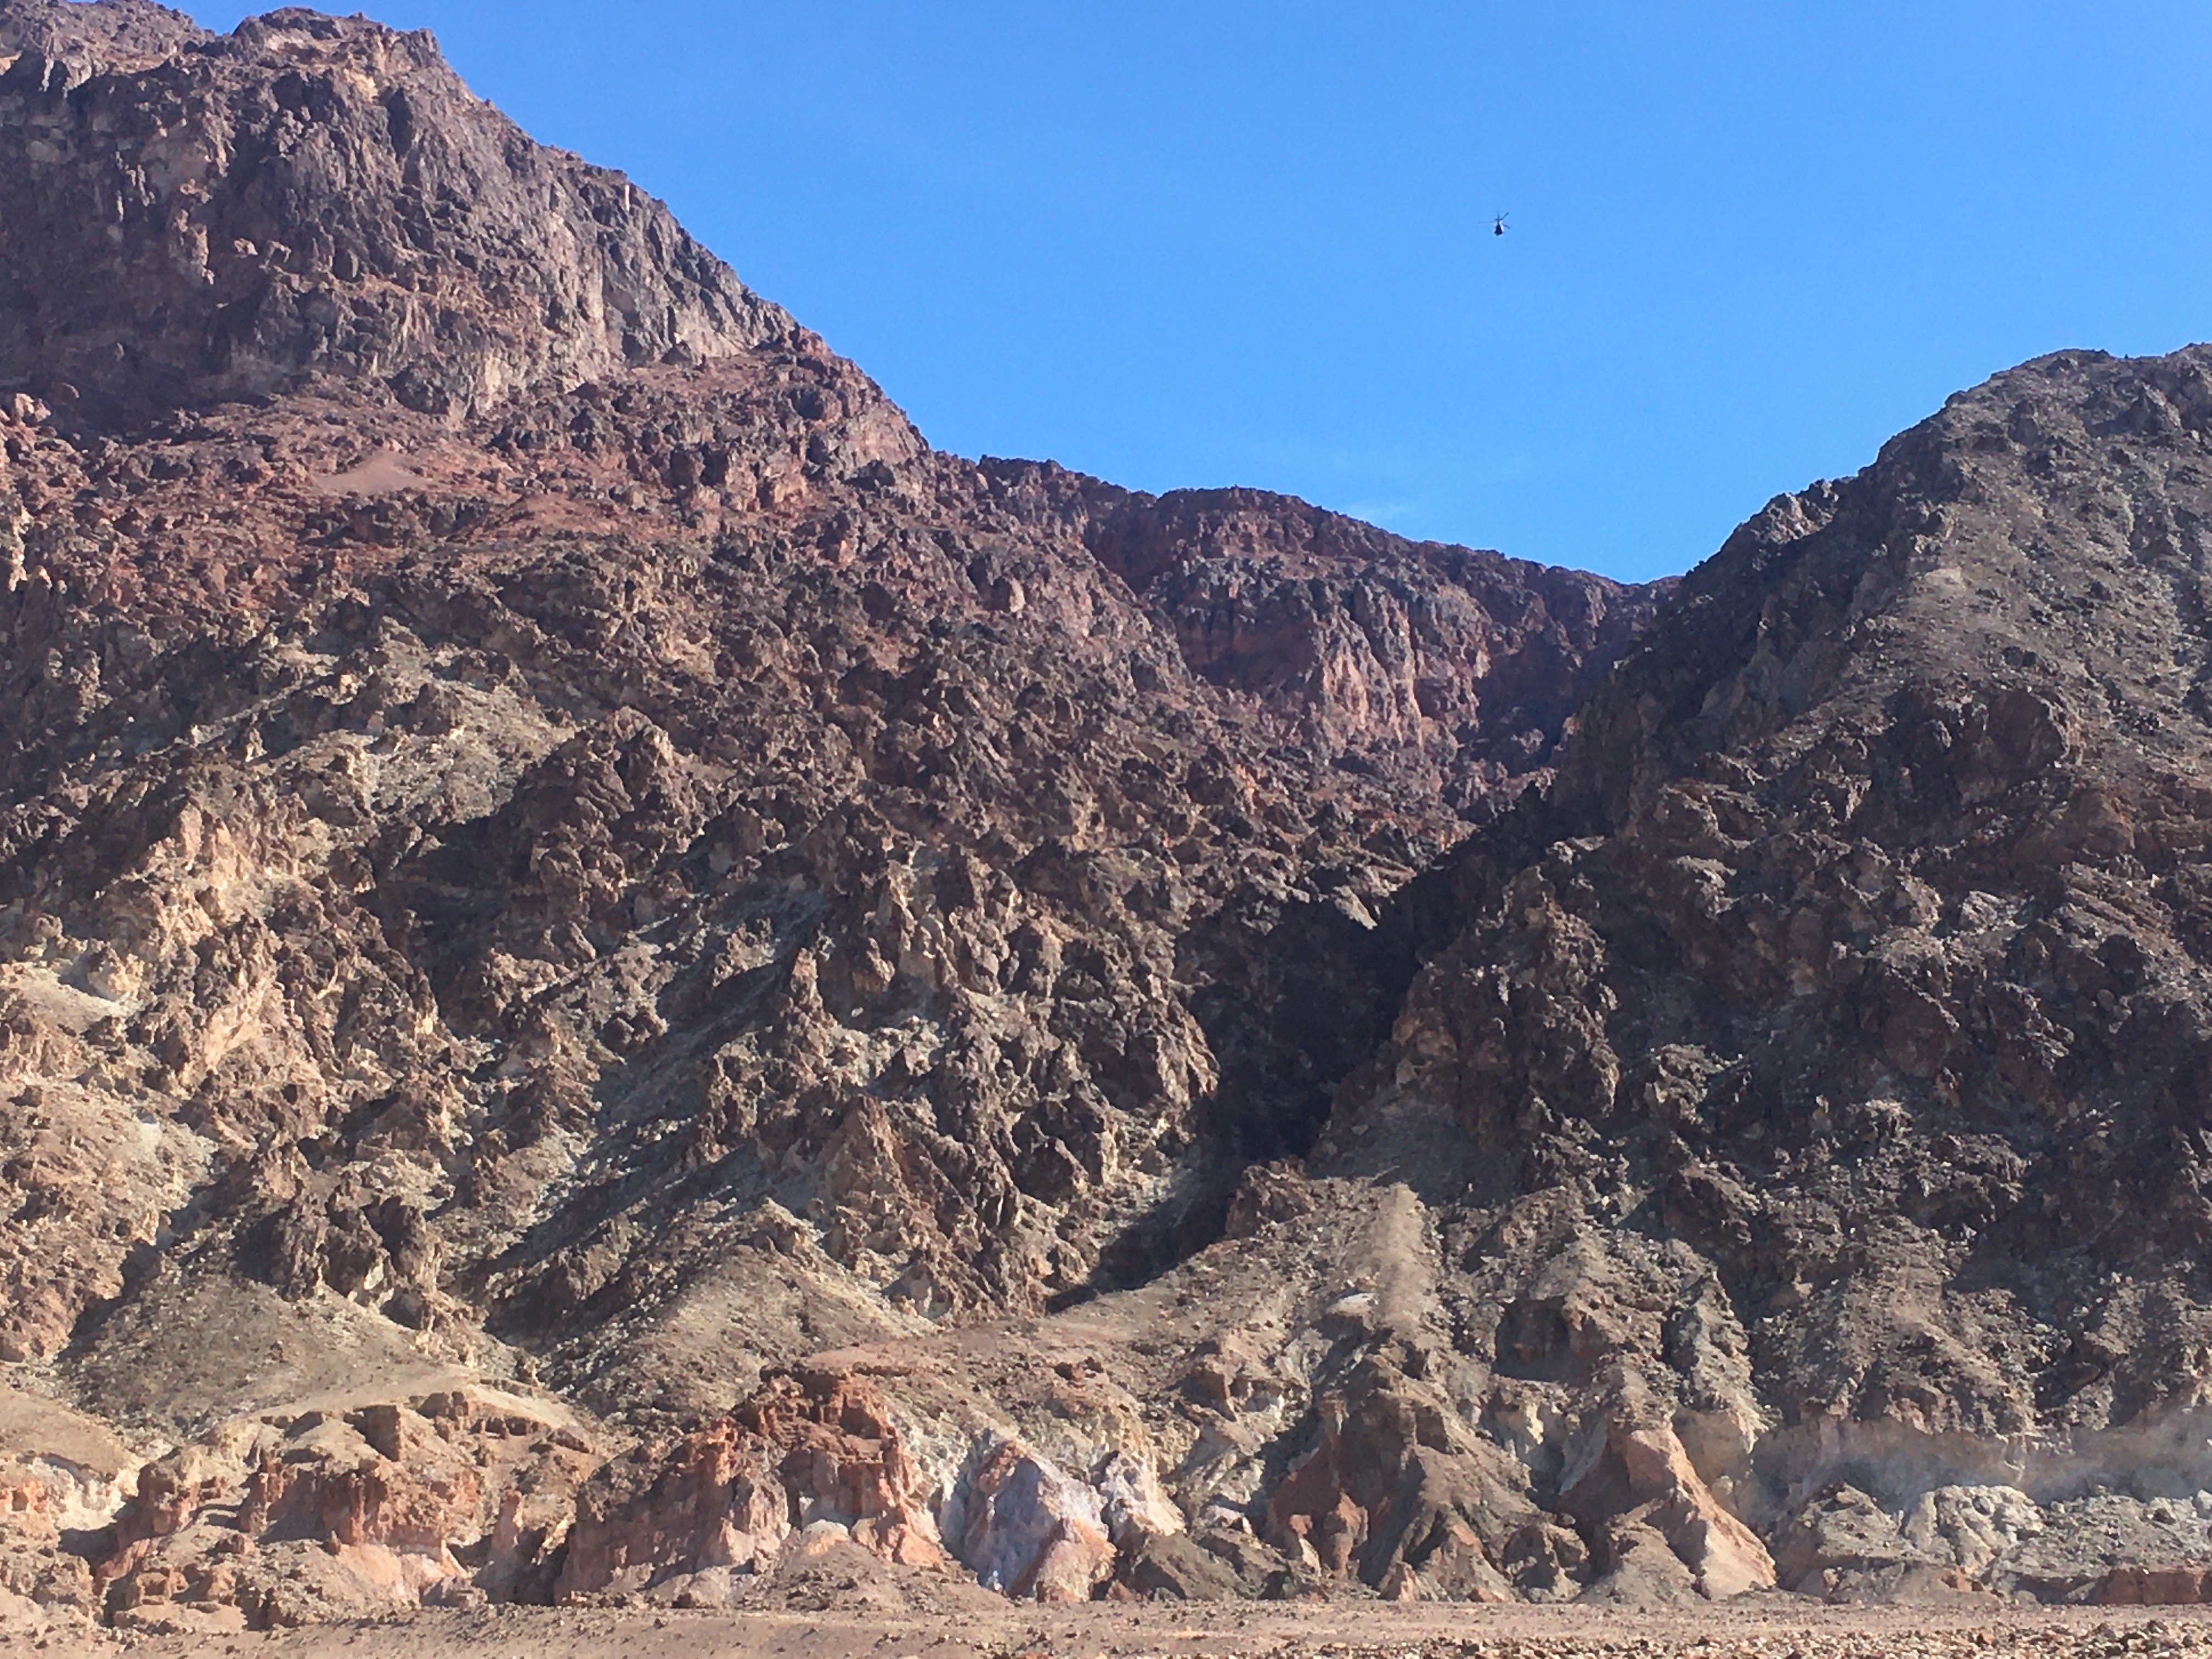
(619, 980)
(438, 250)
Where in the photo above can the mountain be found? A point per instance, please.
(619, 982)
(560, 861)
(1815, 1080)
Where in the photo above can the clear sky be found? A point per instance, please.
(1184, 242)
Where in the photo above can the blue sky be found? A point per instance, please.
(1225, 241)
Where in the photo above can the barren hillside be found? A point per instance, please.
(619, 982)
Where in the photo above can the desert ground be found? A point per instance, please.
(1754, 1628)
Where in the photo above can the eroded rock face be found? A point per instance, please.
(1397, 658)
(454, 1496)
(711, 1504)
(617, 980)
(42, 1585)
(1834, 1018)
(549, 840)
(1396, 1486)
(314, 198)
(644, 792)
(1642, 1478)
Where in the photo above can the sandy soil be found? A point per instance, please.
(1776, 1629)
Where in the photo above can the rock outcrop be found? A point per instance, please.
(1026, 1529)
(444, 1499)
(313, 200)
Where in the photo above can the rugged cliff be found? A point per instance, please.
(192, 217)
(559, 862)
(617, 980)
(1836, 1025)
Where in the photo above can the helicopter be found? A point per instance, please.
(1497, 224)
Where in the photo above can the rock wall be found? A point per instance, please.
(196, 216)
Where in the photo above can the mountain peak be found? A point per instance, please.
(310, 200)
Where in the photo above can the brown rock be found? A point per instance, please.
(1726, 1555)
(710, 1502)
(278, 1521)
(561, 838)
(1387, 1452)
(2145, 1586)
(1173, 1567)
(544, 270)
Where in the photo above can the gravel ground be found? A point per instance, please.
(1771, 1629)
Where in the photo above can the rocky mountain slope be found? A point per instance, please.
(192, 219)
(552, 846)
(620, 980)
(1835, 1026)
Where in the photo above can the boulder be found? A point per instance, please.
(1026, 1527)
(1643, 1469)
(1174, 1567)
(1641, 1568)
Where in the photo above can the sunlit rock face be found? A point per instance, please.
(316, 199)
(1824, 1050)
(617, 980)
(559, 861)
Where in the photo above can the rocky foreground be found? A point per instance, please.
(1312, 1632)
(621, 985)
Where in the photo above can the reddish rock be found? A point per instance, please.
(840, 1455)
(280, 1523)
(1658, 1485)
(710, 1501)
(1026, 1527)
(1448, 1505)
(2147, 1586)
(812, 1450)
